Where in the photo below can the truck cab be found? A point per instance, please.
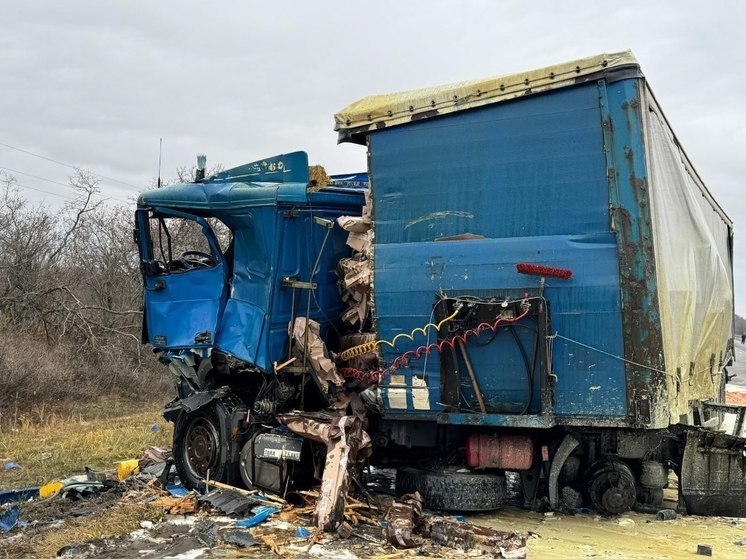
(228, 262)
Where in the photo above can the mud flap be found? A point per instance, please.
(713, 474)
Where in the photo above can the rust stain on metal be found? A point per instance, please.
(643, 339)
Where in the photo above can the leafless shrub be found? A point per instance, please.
(70, 300)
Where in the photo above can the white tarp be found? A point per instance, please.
(693, 266)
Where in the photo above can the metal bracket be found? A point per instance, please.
(295, 283)
(328, 223)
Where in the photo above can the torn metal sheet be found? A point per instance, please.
(346, 441)
(230, 502)
(13, 495)
(240, 538)
(402, 518)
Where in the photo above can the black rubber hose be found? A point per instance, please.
(522, 349)
(488, 342)
(533, 364)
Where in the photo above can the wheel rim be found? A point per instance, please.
(202, 447)
(612, 488)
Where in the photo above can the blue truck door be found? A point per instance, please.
(185, 276)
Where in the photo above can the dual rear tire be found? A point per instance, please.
(451, 490)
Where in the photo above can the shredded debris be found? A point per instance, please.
(139, 516)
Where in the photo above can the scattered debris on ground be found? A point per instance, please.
(96, 514)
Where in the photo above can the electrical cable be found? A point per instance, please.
(69, 197)
(66, 164)
(524, 355)
(404, 359)
(372, 346)
(534, 360)
(34, 176)
(64, 196)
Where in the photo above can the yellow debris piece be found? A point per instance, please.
(50, 489)
(127, 467)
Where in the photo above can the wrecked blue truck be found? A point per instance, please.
(531, 278)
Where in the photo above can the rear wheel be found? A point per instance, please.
(611, 486)
(453, 490)
(200, 447)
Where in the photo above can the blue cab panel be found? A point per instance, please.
(240, 300)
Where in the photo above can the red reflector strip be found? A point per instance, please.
(537, 270)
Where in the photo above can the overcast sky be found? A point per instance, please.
(96, 84)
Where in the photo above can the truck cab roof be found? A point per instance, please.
(273, 181)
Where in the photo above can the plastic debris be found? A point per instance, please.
(177, 490)
(301, 532)
(154, 428)
(14, 495)
(260, 515)
(51, 488)
(127, 467)
(9, 518)
(11, 466)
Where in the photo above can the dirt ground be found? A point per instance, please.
(632, 536)
(113, 525)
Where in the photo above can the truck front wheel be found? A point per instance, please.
(200, 447)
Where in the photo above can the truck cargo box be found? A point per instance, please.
(573, 168)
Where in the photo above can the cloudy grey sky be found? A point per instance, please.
(96, 83)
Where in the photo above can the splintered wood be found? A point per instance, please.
(177, 505)
(355, 512)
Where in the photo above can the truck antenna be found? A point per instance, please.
(160, 152)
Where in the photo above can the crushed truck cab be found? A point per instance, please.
(239, 298)
(530, 278)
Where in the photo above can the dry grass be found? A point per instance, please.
(53, 446)
(118, 520)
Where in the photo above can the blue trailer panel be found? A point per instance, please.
(529, 176)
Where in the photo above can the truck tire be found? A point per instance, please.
(201, 445)
(611, 486)
(453, 491)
